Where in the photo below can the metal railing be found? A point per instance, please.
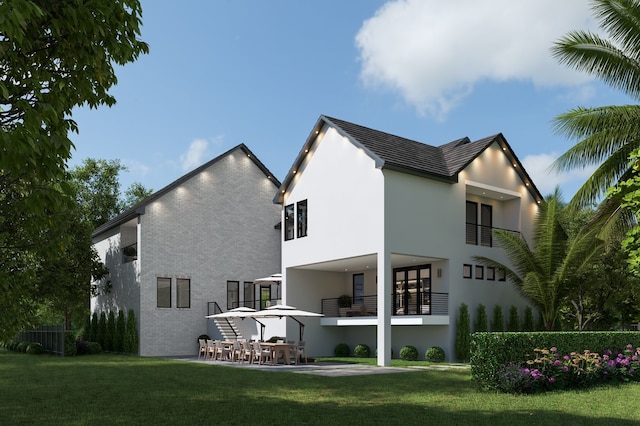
(438, 304)
(483, 235)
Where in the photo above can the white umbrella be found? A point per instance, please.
(279, 311)
(240, 312)
(271, 279)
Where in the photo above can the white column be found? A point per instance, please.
(384, 309)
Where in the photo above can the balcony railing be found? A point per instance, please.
(483, 235)
(368, 306)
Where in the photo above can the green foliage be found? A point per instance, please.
(94, 348)
(22, 347)
(481, 323)
(528, 324)
(490, 352)
(435, 354)
(513, 324)
(86, 330)
(121, 328)
(93, 336)
(409, 353)
(344, 301)
(35, 348)
(109, 341)
(463, 333)
(70, 345)
(497, 324)
(130, 345)
(102, 329)
(362, 351)
(342, 350)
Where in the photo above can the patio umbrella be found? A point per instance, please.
(271, 279)
(279, 311)
(241, 312)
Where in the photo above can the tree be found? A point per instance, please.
(497, 324)
(481, 324)
(542, 274)
(463, 333)
(607, 135)
(528, 323)
(131, 334)
(513, 323)
(121, 325)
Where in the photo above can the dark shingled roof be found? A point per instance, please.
(393, 152)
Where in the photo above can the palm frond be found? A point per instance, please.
(621, 19)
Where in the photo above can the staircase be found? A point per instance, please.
(228, 329)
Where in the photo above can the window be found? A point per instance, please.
(466, 271)
(502, 276)
(249, 301)
(183, 293)
(472, 223)
(479, 272)
(265, 296)
(358, 289)
(288, 222)
(233, 294)
(302, 218)
(412, 290)
(491, 273)
(486, 220)
(163, 287)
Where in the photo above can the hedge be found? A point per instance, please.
(490, 352)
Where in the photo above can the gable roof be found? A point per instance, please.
(393, 152)
(139, 208)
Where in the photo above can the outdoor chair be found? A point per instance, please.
(237, 351)
(264, 354)
(247, 352)
(302, 351)
(210, 350)
(203, 349)
(293, 354)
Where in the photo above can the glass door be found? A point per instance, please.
(412, 290)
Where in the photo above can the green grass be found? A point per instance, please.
(112, 389)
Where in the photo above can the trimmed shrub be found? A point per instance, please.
(491, 352)
(342, 350)
(70, 346)
(109, 341)
(35, 348)
(121, 327)
(498, 319)
(362, 351)
(435, 354)
(130, 344)
(527, 324)
(86, 331)
(463, 334)
(94, 348)
(481, 324)
(82, 347)
(513, 324)
(102, 329)
(409, 353)
(21, 347)
(93, 336)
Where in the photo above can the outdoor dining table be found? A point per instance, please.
(275, 348)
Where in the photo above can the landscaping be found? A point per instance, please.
(124, 389)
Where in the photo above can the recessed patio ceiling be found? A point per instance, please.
(363, 263)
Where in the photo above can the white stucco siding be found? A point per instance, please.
(343, 189)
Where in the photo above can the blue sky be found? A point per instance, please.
(225, 72)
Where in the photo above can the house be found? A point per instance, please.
(196, 243)
(393, 224)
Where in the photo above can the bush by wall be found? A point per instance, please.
(409, 353)
(492, 352)
(342, 350)
(93, 336)
(513, 323)
(528, 323)
(102, 329)
(362, 351)
(481, 323)
(109, 341)
(463, 334)
(70, 348)
(35, 348)
(130, 344)
(435, 354)
(498, 319)
(121, 327)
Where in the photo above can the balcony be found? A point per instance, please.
(367, 306)
(483, 235)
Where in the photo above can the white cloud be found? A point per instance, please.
(433, 52)
(539, 168)
(194, 155)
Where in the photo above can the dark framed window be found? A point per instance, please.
(249, 299)
(486, 225)
(502, 275)
(466, 271)
(233, 294)
(479, 272)
(163, 292)
(288, 222)
(491, 273)
(472, 223)
(412, 290)
(265, 296)
(183, 293)
(358, 289)
(302, 218)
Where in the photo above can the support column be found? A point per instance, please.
(384, 309)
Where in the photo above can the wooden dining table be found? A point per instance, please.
(275, 349)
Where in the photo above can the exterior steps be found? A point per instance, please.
(228, 329)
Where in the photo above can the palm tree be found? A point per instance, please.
(607, 135)
(544, 274)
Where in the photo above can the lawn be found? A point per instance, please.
(113, 389)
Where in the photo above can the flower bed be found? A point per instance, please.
(550, 370)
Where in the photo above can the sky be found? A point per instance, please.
(224, 72)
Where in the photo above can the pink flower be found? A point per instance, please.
(552, 379)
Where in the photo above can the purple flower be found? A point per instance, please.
(629, 346)
(552, 379)
(565, 368)
(554, 349)
(566, 358)
(557, 362)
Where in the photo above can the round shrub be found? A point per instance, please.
(362, 351)
(35, 348)
(409, 353)
(203, 337)
(22, 347)
(82, 347)
(342, 350)
(94, 348)
(435, 354)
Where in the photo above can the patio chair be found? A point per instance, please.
(293, 354)
(210, 350)
(263, 354)
(237, 351)
(203, 349)
(302, 351)
(247, 352)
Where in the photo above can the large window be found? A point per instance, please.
(412, 290)
(163, 286)
(472, 223)
(486, 221)
(183, 292)
(233, 294)
(249, 301)
(302, 218)
(265, 296)
(358, 289)
(289, 222)
(479, 223)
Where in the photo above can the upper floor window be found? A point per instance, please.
(163, 288)
(288, 222)
(233, 294)
(302, 218)
(183, 291)
(479, 223)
